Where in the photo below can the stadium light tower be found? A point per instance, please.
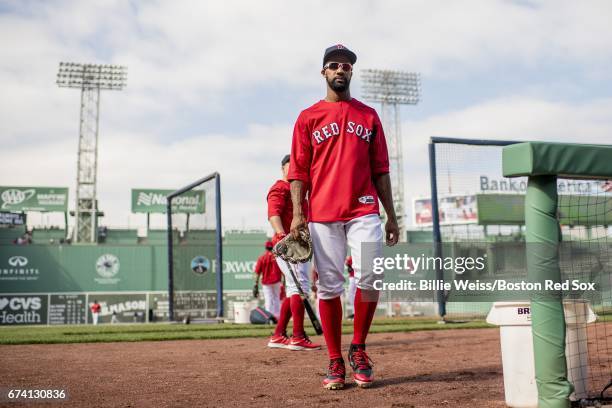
(393, 88)
(90, 79)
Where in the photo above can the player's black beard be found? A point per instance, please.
(336, 87)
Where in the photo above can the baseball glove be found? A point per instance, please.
(294, 250)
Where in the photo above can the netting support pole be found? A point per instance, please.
(219, 239)
(219, 247)
(435, 218)
(170, 262)
(547, 317)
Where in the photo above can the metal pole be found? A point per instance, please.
(90, 79)
(401, 206)
(475, 142)
(94, 201)
(77, 208)
(437, 236)
(170, 262)
(219, 248)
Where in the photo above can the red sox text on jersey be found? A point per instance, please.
(333, 129)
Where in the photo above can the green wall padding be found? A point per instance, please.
(561, 159)
(547, 317)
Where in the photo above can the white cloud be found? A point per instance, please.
(193, 56)
(191, 53)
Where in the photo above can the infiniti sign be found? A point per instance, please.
(19, 268)
(18, 261)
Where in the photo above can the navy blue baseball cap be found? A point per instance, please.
(285, 160)
(339, 49)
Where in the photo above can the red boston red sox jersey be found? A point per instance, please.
(279, 203)
(337, 148)
(268, 268)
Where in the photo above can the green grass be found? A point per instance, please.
(164, 331)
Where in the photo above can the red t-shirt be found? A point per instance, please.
(95, 308)
(268, 268)
(337, 148)
(279, 203)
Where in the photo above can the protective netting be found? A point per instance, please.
(480, 211)
(194, 235)
(585, 216)
(477, 214)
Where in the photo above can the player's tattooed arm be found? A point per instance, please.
(382, 182)
(297, 197)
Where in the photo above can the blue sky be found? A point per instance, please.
(216, 86)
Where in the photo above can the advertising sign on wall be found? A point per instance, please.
(23, 309)
(128, 308)
(9, 218)
(154, 201)
(33, 198)
(457, 209)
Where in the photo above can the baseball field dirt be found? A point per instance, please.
(450, 368)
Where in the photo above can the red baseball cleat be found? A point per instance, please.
(276, 341)
(302, 343)
(335, 375)
(361, 365)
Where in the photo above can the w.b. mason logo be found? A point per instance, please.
(18, 261)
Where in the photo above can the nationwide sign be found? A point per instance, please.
(34, 199)
(154, 201)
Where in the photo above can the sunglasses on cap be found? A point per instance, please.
(334, 66)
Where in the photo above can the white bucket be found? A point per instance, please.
(242, 312)
(514, 319)
(577, 315)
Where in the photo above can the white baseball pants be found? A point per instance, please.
(301, 274)
(272, 298)
(330, 240)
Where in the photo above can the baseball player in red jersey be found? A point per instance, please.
(267, 269)
(339, 157)
(280, 213)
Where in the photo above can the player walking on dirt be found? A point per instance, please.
(339, 157)
(280, 212)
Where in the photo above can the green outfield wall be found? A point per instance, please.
(54, 284)
(103, 268)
